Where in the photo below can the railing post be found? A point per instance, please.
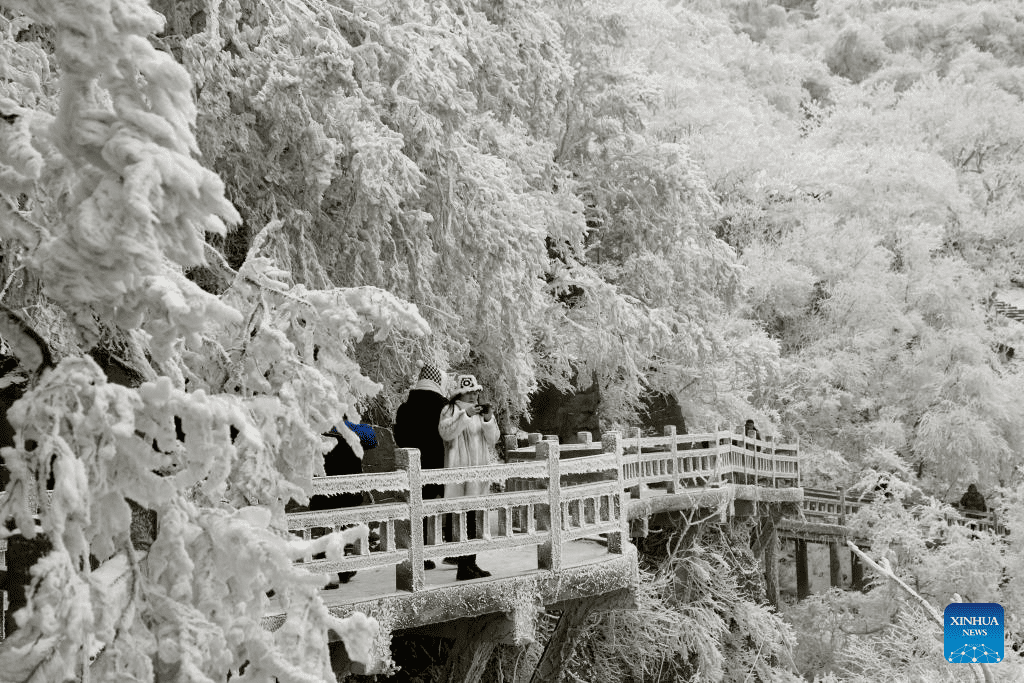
(409, 573)
(638, 470)
(511, 443)
(718, 453)
(673, 484)
(549, 553)
(611, 442)
(584, 437)
(799, 483)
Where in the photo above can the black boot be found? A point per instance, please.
(465, 572)
(468, 569)
(481, 573)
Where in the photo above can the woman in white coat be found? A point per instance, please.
(469, 431)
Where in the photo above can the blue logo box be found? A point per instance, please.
(973, 632)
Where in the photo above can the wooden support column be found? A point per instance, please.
(835, 568)
(803, 585)
(475, 640)
(559, 649)
(639, 527)
(857, 572)
(468, 659)
(771, 566)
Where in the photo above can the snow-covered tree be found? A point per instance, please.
(105, 203)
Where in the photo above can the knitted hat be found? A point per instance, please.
(432, 373)
(431, 379)
(465, 384)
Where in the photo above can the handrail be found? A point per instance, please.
(555, 500)
(832, 506)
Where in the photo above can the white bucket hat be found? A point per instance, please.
(465, 384)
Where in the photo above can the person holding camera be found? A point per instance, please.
(469, 431)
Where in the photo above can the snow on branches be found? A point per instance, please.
(134, 197)
(104, 197)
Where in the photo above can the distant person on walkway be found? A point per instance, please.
(751, 430)
(973, 500)
(343, 460)
(882, 487)
(469, 431)
(416, 427)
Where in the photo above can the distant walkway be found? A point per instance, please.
(823, 519)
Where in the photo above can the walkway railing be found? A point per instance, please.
(693, 460)
(832, 506)
(549, 499)
(411, 531)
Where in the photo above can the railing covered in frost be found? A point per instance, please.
(545, 517)
(553, 494)
(835, 507)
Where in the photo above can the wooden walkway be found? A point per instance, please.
(825, 513)
(824, 520)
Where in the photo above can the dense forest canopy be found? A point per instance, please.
(271, 211)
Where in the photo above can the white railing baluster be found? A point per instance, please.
(483, 525)
(307, 536)
(505, 527)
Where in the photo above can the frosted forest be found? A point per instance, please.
(263, 216)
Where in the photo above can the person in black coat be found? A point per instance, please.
(343, 460)
(416, 427)
(973, 500)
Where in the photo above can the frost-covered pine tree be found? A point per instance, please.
(106, 204)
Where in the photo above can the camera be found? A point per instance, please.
(484, 407)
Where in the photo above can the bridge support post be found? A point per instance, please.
(803, 585)
(469, 655)
(857, 572)
(835, 568)
(563, 641)
(771, 566)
